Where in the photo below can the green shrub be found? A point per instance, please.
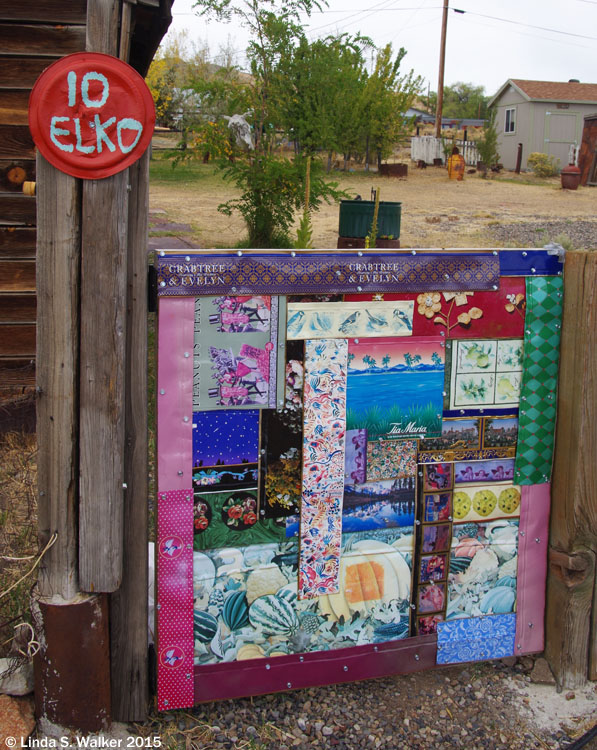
(543, 165)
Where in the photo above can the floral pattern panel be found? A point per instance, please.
(475, 639)
(485, 373)
(324, 430)
(483, 569)
(246, 603)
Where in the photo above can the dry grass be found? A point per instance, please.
(18, 530)
(436, 211)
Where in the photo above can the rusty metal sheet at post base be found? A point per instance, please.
(281, 673)
(72, 667)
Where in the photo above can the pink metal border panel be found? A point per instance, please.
(175, 393)
(174, 550)
(532, 568)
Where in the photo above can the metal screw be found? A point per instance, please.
(233, 289)
(189, 546)
(413, 252)
(166, 702)
(187, 258)
(179, 472)
(187, 355)
(162, 253)
(495, 252)
(124, 486)
(185, 419)
(240, 253)
(494, 287)
(158, 606)
(530, 624)
(301, 658)
(444, 393)
(420, 473)
(188, 497)
(289, 684)
(481, 411)
(267, 666)
(518, 646)
(345, 668)
(188, 675)
(446, 276)
(162, 283)
(356, 341)
(375, 648)
(522, 533)
(42, 493)
(524, 253)
(359, 289)
(360, 254)
(293, 254)
(442, 333)
(417, 522)
(462, 411)
(417, 657)
(533, 270)
(442, 344)
(162, 391)
(537, 540)
(338, 273)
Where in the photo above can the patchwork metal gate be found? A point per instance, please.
(354, 461)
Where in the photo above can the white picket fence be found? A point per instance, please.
(428, 147)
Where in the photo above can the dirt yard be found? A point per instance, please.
(504, 210)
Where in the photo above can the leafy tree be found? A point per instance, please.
(436, 359)
(462, 101)
(272, 189)
(487, 144)
(387, 96)
(408, 358)
(386, 361)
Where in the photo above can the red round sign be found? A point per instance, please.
(91, 115)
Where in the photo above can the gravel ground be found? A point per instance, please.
(581, 234)
(488, 706)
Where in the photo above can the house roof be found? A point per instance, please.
(551, 91)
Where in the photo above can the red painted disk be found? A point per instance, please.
(91, 115)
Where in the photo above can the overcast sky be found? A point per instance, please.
(546, 40)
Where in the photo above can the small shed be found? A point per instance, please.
(543, 116)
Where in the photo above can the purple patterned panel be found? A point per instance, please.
(323, 466)
(355, 461)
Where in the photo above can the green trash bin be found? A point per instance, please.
(356, 218)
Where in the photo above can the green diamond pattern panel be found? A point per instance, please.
(537, 418)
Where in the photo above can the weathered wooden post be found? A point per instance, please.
(571, 635)
(92, 386)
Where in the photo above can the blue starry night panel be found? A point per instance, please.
(225, 437)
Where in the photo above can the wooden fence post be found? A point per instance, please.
(128, 605)
(571, 591)
(103, 351)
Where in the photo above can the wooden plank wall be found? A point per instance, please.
(571, 616)
(32, 36)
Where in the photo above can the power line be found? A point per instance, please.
(527, 25)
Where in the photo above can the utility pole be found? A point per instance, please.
(440, 83)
